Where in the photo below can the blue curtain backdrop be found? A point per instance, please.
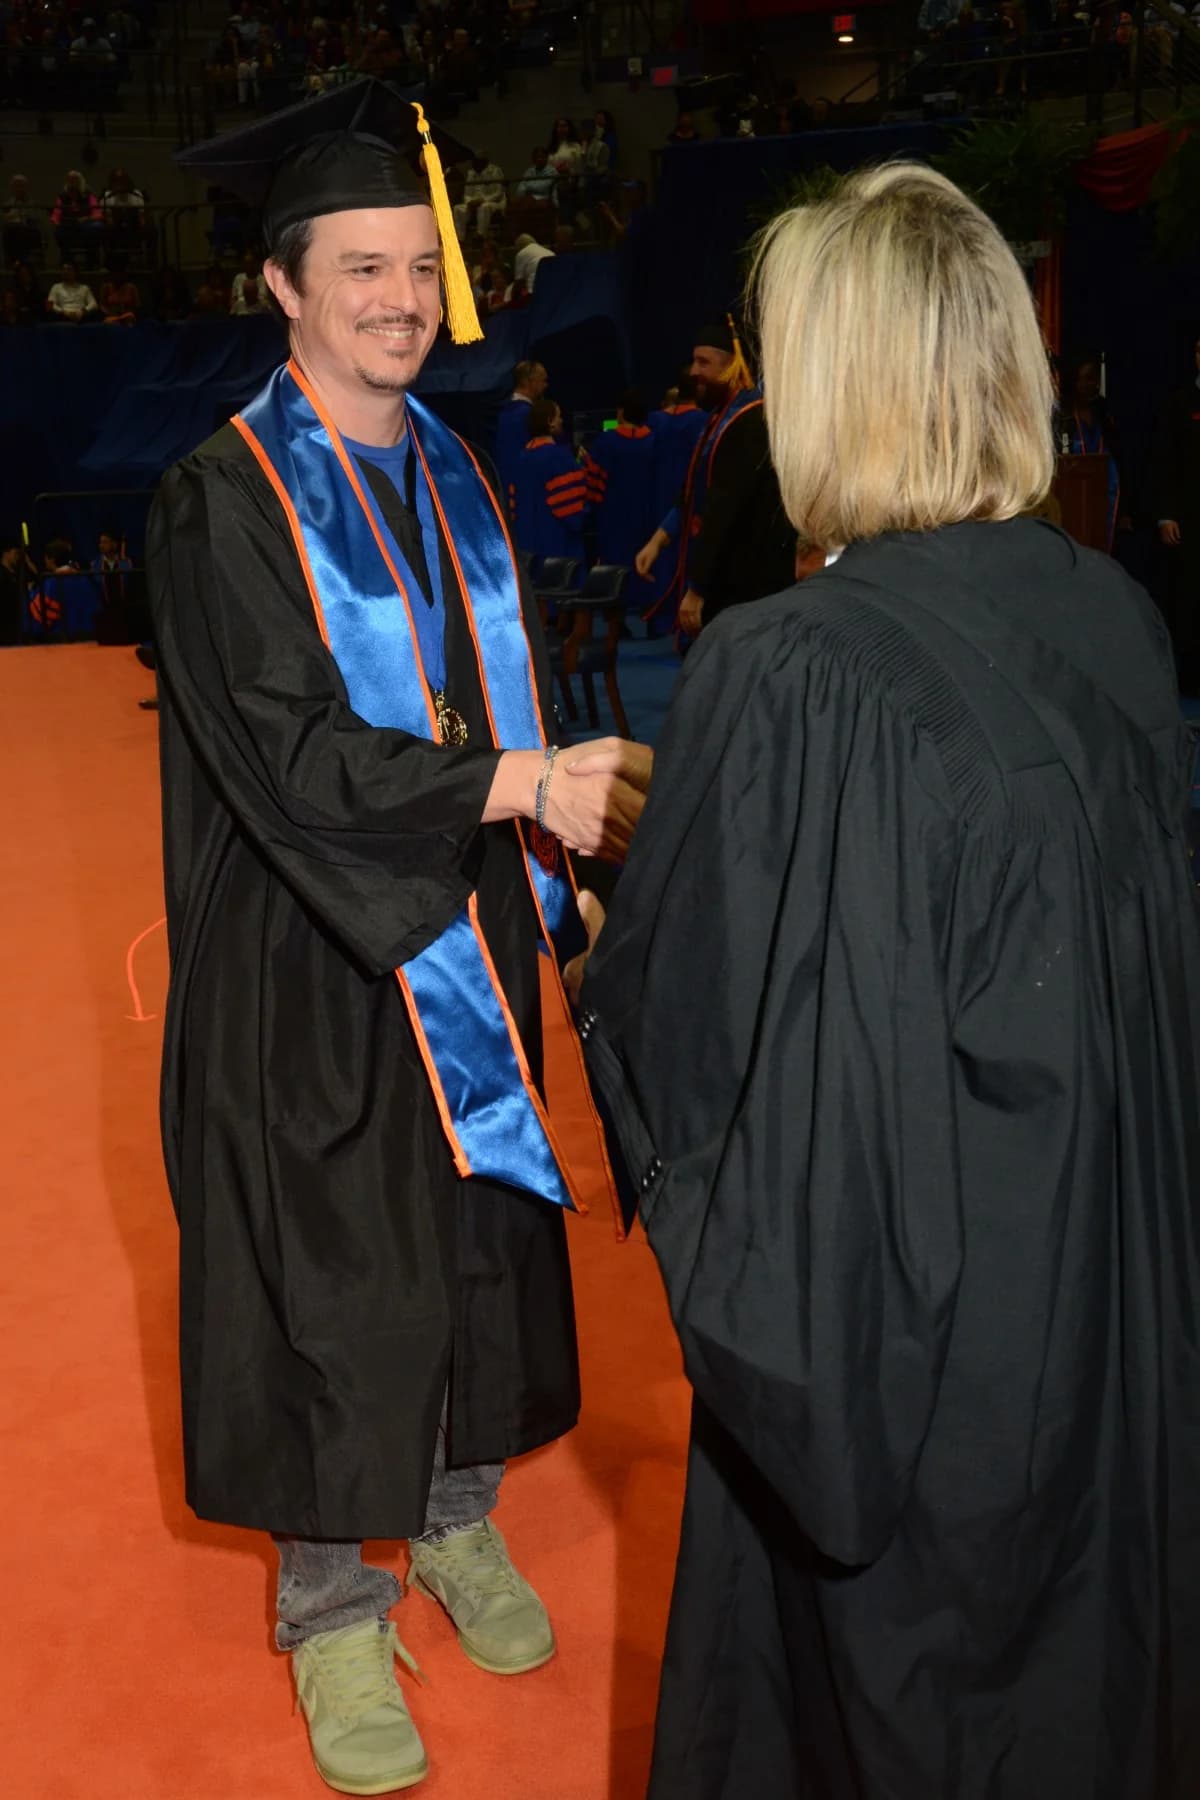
(101, 408)
(95, 407)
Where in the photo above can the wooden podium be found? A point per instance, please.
(1081, 490)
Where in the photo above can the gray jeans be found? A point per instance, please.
(324, 1584)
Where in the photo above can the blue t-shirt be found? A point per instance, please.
(419, 557)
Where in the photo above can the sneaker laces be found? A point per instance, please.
(357, 1675)
(477, 1558)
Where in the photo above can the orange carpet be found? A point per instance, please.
(136, 1639)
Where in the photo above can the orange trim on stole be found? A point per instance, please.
(461, 1160)
(284, 498)
(564, 1003)
(535, 1099)
(339, 449)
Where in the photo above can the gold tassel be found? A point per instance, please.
(739, 376)
(460, 301)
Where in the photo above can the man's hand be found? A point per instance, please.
(593, 814)
(649, 554)
(1170, 533)
(634, 763)
(592, 914)
(691, 613)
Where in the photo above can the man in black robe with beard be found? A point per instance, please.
(375, 1295)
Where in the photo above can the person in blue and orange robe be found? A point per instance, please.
(550, 490)
(620, 468)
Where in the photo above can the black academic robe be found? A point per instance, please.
(335, 1272)
(896, 1012)
(747, 546)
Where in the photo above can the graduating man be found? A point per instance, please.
(731, 538)
(620, 474)
(376, 1301)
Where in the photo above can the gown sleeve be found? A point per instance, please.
(766, 1020)
(373, 829)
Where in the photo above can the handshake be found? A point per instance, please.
(596, 797)
(593, 798)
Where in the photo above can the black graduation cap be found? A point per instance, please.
(722, 334)
(716, 335)
(361, 145)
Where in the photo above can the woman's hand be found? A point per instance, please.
(592, 914)
(634, 763)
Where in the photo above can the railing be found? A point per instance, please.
(1165, 71)
(124, 240)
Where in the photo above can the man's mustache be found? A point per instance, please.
(391, 323)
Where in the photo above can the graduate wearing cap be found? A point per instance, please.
(364, 831)
(730, 535)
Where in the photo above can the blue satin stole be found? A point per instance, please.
(495, 1120)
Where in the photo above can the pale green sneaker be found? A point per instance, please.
(363, 1741)
(502, 1625)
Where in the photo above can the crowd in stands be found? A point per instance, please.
(1025, 48)
(56, 56)
(272, 53)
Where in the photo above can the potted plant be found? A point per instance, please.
(1020, 171)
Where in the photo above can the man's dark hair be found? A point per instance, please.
(541, 417)
(633, 407)
(58, 551)
(288, 253)
(687, 389)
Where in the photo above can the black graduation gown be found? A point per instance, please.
(747, 546)
(334, 1269)
(896, 1012)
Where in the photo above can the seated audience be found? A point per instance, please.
(124, 209)
(92, 48)
(172, 295)
(248, 295)
(120, 301)
(213, 296)
(485, 197)
(77, 218)
(10, 308)
(22, 231)
(30, 295)
(539, 183)
(70, 301)
(550, 500)
(529, 255)
(685, 131)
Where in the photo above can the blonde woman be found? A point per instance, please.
(896, 1016)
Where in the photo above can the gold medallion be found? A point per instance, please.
(452, 727)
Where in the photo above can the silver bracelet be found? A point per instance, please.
(543, 786)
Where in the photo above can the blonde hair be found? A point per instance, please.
(904, 378)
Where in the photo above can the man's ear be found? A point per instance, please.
(276, 279)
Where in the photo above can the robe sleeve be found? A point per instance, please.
(376, 831)
(766, 1020)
